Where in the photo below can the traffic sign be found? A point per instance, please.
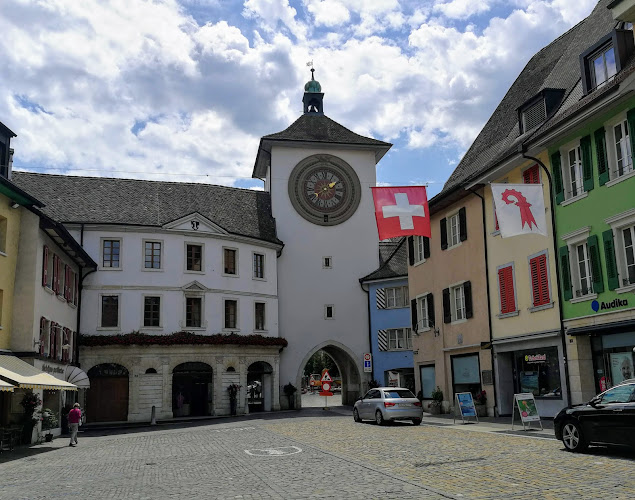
(368, 363)
(367, 356)
(326, 377)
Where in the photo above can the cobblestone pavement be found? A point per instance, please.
(308, 455)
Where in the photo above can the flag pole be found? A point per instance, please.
(558, 284)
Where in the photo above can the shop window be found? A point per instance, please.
(466, 374)
(428, 381)
(538, 372)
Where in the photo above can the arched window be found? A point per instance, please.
(151, 370)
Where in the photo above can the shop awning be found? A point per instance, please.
(78, 377)
(6, 386)
(603, 329)
(25, 376)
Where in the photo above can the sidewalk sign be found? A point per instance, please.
(526, 406)
(326, 387)
(466, 407)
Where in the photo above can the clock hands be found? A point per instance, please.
(324, 189)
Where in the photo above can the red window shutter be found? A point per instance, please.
(506, 285)
(42, 335)
(65, 341)
(66, 281)
(73, 344)
(531, 175)
(539, 280)
(45, 266)
(52, 343)
(54, 271)
(76, 285)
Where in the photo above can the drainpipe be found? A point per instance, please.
(560, 294)
(370, 331)
(489, 309)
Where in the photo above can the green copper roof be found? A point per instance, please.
(313, 86)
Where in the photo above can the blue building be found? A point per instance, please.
(389, 306)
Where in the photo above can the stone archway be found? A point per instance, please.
(259, 386)
(344, 358)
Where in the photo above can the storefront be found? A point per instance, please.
(531, 364)
(400, 377)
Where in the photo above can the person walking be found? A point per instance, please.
(74, 417)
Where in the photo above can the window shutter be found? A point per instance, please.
(506, 287)
(587, 162)
(430, 301)
(60, 291)
(531, 175)
(380, 298)
(467, 291)
(66, 281)
(426, 247)
(462, 224)
(76, 284)
(600, 154)
(444, 233)
(630, 118)
(609, 256)
(539, 280)
(52, 340)
(42, 335)
(73, 344)
(411, 250)
(556, 173)
(54, 278)
(447, 311)
(565, 272)
(45, 266)
(382, 340)
(596, 268)
(413, 315)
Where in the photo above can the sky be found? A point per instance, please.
(183, 90)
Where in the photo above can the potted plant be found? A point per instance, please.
(233, 390)
(479, 403)
(30, 402)
(49, 421)
(289, 391)
(437, 401)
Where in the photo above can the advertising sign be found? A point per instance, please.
(465, 403)
(527, 410)
(621, 366)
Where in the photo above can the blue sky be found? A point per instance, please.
(182, 91)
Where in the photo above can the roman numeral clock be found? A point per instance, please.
(324, 189)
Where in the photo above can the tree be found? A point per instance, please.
(318, 362)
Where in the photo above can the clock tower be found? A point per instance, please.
(319, 174)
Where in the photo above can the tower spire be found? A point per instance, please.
(313, 95)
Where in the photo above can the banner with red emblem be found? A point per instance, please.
(401, 211)
(520, 209)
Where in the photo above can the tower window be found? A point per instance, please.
(329, 311)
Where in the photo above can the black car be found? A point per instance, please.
(609, 418)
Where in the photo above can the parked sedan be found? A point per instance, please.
(385, 404)
(609, 418)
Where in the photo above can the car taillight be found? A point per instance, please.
(418, 403)
(387, 404)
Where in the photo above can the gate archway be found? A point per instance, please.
(107, 398)
(192, 389)
(344, 358)
(259, 386)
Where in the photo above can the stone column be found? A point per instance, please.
(242, 374)
(276, 384)
(219, 390)
(166, 408)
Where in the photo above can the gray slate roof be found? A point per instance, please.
(105, 200)
(555, 66)
(393, 258)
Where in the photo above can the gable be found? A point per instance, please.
(194, 223)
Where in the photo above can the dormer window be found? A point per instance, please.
(538, 109)
(602, 61)
(534, 115)
(602, 66)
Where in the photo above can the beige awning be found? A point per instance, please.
(78, 377)
(26, 376)
(6, 386)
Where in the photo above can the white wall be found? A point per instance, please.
(131, 281)
(304, 286)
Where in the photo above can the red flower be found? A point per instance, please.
(180, 338)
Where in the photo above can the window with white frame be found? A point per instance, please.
(110, 253)
(628, 248)
(397, 297)
(259, 266)
(329, 311)
(454, 226)
(259, 314)
(230, 261)
(152, 254)
(457, 295)
(399, 339)
(193, 312)
(422, 313)
(619, 251)
(194, 257)
(623, 162)
(109, 311)
(573, 173)
(583, 267)
(152, 312)
(231, 313)
(418, 247)
(602, 65)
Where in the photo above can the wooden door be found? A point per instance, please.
(107, 399)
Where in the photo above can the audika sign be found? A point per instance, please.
(605, 306)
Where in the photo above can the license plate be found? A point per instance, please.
(405, 404)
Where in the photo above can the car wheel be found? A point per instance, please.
(416, 421)
(379, 418)
(356, 415)
(572, 437)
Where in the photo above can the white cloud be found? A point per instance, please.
(462, 9)
(272, 13)
(328, 12)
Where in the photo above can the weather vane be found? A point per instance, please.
(310, 63)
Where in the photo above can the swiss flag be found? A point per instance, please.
(401, 211)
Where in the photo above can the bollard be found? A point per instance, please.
(153, 419)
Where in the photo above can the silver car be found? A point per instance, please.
(384, 404)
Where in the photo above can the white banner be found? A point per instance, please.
(520, 209)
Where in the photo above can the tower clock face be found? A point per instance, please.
(324, 189)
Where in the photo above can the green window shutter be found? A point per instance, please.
(587, 162)
(609, 256)
(556, 174)
(567, 293)
(596, 268)
(630, 118)
(600, 154)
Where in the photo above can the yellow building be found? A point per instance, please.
(526, 340)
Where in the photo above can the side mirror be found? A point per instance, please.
(360, 399)
(594, 401)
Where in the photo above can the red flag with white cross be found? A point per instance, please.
(401, 211)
